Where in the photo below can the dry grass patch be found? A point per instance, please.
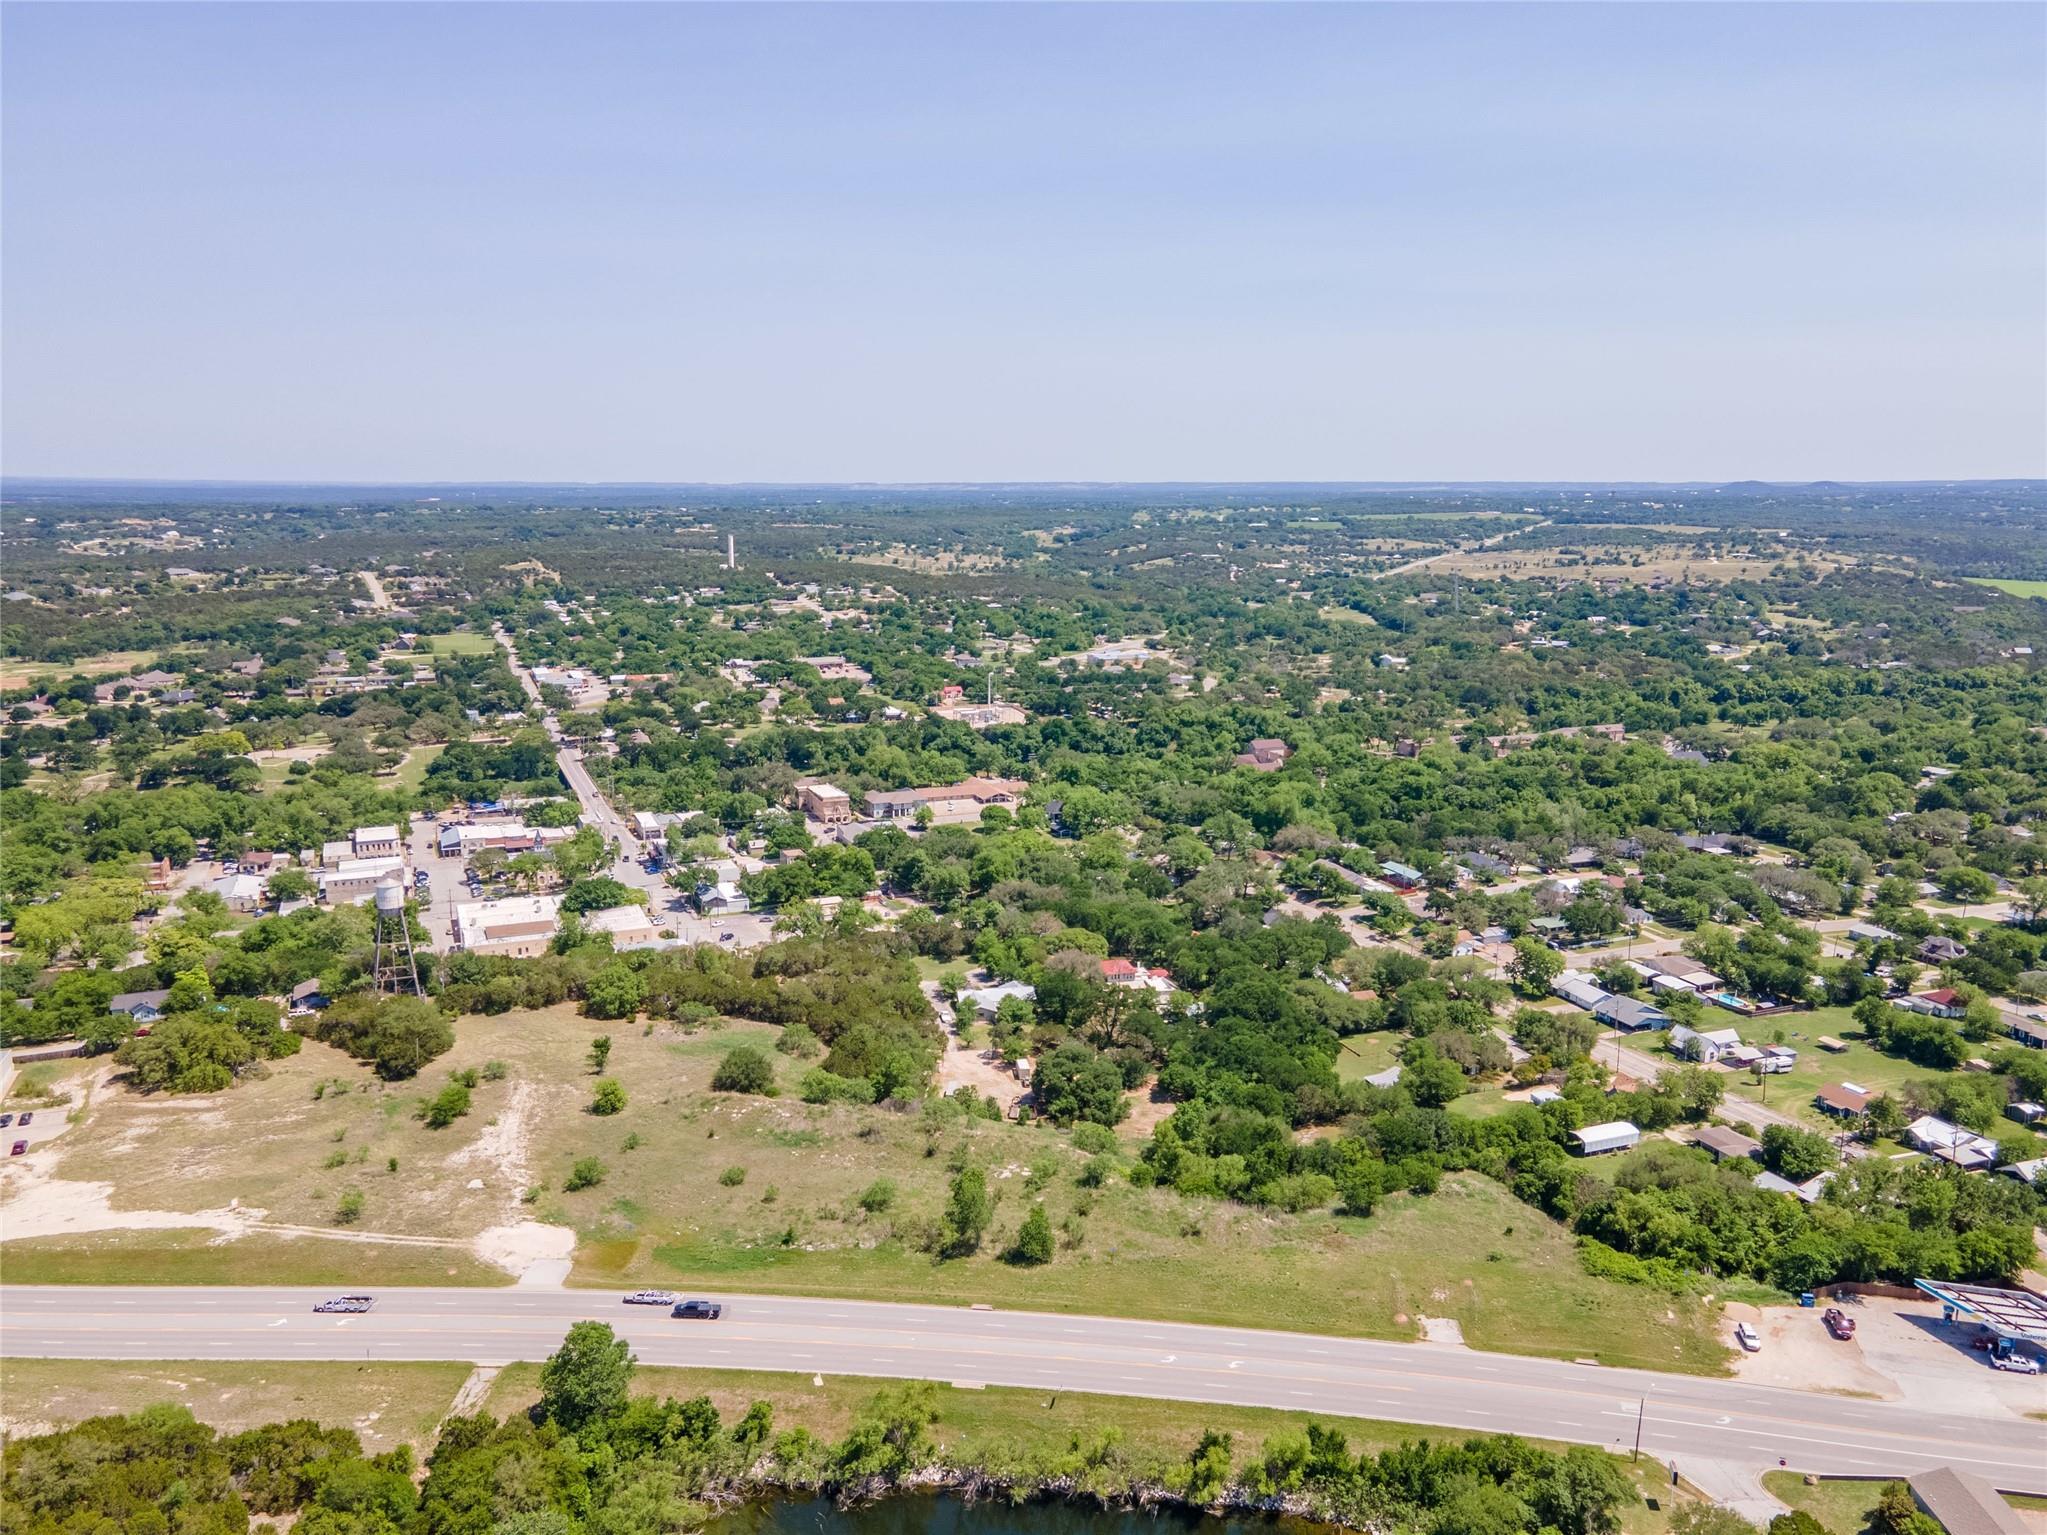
(387, 1404)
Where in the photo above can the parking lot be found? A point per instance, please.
(1901, 1351)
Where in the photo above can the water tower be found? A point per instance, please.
(393, 969)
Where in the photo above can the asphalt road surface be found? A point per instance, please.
(1680, 1417)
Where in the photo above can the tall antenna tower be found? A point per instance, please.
(393, 970)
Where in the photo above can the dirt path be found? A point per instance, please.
(43, 1205)
(537, 1253)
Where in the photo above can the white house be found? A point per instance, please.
(1951, 1143)
(244, 893)
(984, 1000)
(1704, 1045)
(723, 898)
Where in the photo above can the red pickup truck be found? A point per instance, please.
(1839, 1323)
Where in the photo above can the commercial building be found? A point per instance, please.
(627, 926)
(458, 841)
(354, 880)
(826, 803)
(721, 898)
(519, 927)
(949, 803)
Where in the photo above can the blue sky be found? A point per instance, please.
(762, 242)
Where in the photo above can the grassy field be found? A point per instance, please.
(1364, 1055)
(1860, 1063)
(1844, 1505)
(1674, 561)
(791, 1221)
(387, 1404)
(2016, 588)
(460, 643)
(412, 771)
(292, 1141)
(669, 1210)
(52, 1082)
(1817, 1068)
(197, 1256)
(19, 674)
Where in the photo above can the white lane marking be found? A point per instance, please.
(280, 1321)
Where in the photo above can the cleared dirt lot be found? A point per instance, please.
(1901, 1351)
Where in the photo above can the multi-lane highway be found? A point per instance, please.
(1679, 1417)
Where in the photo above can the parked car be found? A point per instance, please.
(2018, 1364)
(1839, 1323)
(698, 1310)
(19, 1148)
(651, 1298)
(6, 1120)
(25, 1118)
(727, 937)
(351, 1304)
(1746, 1336)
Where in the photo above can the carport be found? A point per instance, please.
(2014, 1316)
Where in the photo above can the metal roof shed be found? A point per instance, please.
(1615, 1135)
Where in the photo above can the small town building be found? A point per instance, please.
(984, 1001)
(628, 927)
(825, 802)
(518, 927)
(1265, 755)
(1723, 1144)
(1629, 1013)
(949, 803)
(245, 894)
(1951, 1143)
(1703, 1045)
(466, 841)
(1843, 1100)
(142, 1006)
(355, 880)
(375, 842)
(721, 898)
(1944, 1002)
(306, 997)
